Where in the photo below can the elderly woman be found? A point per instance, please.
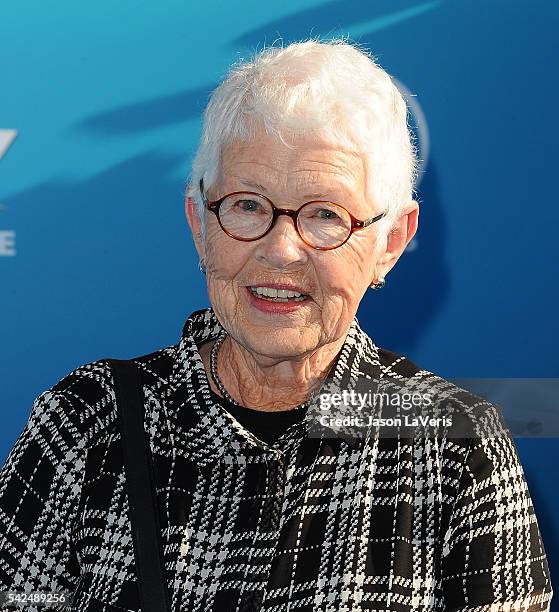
(300, 199)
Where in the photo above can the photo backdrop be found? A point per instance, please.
(100, 108)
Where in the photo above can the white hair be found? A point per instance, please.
(332, 89)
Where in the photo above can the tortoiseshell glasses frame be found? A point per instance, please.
(356, 224)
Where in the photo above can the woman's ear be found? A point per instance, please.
(193, 218)
(399, 237)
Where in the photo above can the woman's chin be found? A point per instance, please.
(280, 342)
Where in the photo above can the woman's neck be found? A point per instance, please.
(266, 384)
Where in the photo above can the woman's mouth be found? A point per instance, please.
(278, 295)
(277, 301)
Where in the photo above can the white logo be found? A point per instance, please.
(421, 126)
(7, 243)
(422, 133)
(7, 237)
(6, 139)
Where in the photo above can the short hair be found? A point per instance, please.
(333, 89)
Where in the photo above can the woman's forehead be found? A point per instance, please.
(309, 168)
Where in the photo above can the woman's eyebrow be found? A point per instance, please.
(262, 189)
(253, 185)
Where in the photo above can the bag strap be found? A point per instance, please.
(140, 483)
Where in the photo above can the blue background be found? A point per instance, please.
(107, 97)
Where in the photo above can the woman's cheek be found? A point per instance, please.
(336, 316)
(344, 280)
(223, 260)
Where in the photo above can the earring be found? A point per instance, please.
(202, 267)
(379, 284)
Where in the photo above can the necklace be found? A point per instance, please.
(217, 380)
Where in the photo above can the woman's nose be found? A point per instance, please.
(282, 246)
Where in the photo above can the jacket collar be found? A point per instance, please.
(205, 429)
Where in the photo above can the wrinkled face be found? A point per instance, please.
(334, 280)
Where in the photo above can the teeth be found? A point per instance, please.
(278, 295)
(273, 293)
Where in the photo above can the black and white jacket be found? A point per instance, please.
(327, 524)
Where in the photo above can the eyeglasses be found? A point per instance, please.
(248, 216)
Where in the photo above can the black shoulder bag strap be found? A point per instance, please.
(140, 485)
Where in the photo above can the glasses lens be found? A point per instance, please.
(245, 215)
(323, 224)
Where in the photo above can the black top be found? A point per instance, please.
(265, 425)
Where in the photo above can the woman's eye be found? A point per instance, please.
(325, 213)
(248, 205)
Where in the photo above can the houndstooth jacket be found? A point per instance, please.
(307, 524)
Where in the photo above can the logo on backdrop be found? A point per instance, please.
(7, 237)
(421, 131)
(6, 139)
